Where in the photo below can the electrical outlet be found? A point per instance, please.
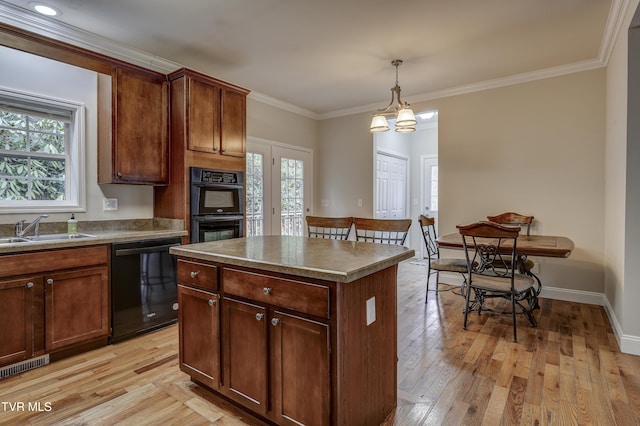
(109, 204)
(371, 310)
(359, 202)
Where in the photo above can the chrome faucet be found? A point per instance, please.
(21, 231)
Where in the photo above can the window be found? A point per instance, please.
(255, 194)
(41, 143)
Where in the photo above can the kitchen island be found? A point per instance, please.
(295, 330)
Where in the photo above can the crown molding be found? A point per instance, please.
(30, 21)
(268, 100)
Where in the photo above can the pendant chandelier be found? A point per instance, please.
(405, 119)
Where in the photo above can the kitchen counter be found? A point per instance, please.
(303, 330)
(333, 260)
(105, 232)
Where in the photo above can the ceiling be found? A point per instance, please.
(326, 58)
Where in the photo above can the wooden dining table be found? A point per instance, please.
(527, 245)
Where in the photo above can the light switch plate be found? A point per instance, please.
(109, 204)
(371, 310)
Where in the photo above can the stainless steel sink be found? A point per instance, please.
(11, 240)
(58, 237)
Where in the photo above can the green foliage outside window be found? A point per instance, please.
(32, 157)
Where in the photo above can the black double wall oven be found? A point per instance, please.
(217, 205)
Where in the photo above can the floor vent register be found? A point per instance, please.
(20, 367)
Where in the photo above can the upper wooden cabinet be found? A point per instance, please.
(133, 132)
(208, 114)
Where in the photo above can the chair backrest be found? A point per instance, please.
(492, 246)
(511, 218)
(427, 224)
(385, 231)
(335, 228)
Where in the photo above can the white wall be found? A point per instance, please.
(622, 248)
(536, 148)
(34, 74)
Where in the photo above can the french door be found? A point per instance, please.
(279, 188)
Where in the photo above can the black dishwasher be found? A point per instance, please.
(143, 287)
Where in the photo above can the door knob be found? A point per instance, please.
(50, 281)
(29, 284)
(259, 317)
(266, 290)
(193, 274)
(274, 321)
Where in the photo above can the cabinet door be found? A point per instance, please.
(17, 318)
(245, 354)
(203, 118)
(76, 307)
(140, 140)
(234, 111)
(199, 323)
(300, 365)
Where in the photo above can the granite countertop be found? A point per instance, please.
(332, 260)
(104, 232)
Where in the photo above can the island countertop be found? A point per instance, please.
(325, 259)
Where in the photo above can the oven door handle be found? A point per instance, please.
(154, 249)
(213, 219)
(218, 185)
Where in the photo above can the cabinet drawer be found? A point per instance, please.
(198, 274)
(299, 296)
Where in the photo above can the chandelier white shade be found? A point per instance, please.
(405, 119)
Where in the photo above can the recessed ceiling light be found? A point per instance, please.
(45, 9)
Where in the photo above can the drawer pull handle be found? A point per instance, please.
(50, 281)
(266, 290)
(259, 317)
(193, 274)
(29, 284)
(275, 321)
(212, 302)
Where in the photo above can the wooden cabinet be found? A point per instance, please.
(199, 322)
(212, 113)
(208, 130)
(276, 363)
(54, 300)
(17, 303)
(133, 132)
(76, 306)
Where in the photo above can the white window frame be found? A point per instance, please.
(75, 164)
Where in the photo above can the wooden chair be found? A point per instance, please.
(435, 264)
(516, 219)
(335, 228)
(385, 231)
(493, 247)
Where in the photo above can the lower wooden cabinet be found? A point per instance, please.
(246, 360)
(76, 306)
(276, 364)
(17, 299)
(199, 331)
(61, 300)
(301, 386)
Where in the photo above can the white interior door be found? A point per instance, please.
(391, 186)
(430, 186)
(429, 190)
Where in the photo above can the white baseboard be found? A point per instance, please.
(569, 295)
(628, 344)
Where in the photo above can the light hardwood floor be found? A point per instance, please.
(567, 371)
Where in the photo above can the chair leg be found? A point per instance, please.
(466, 307)
(513, 315)
(437, 281)
(426, 296)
